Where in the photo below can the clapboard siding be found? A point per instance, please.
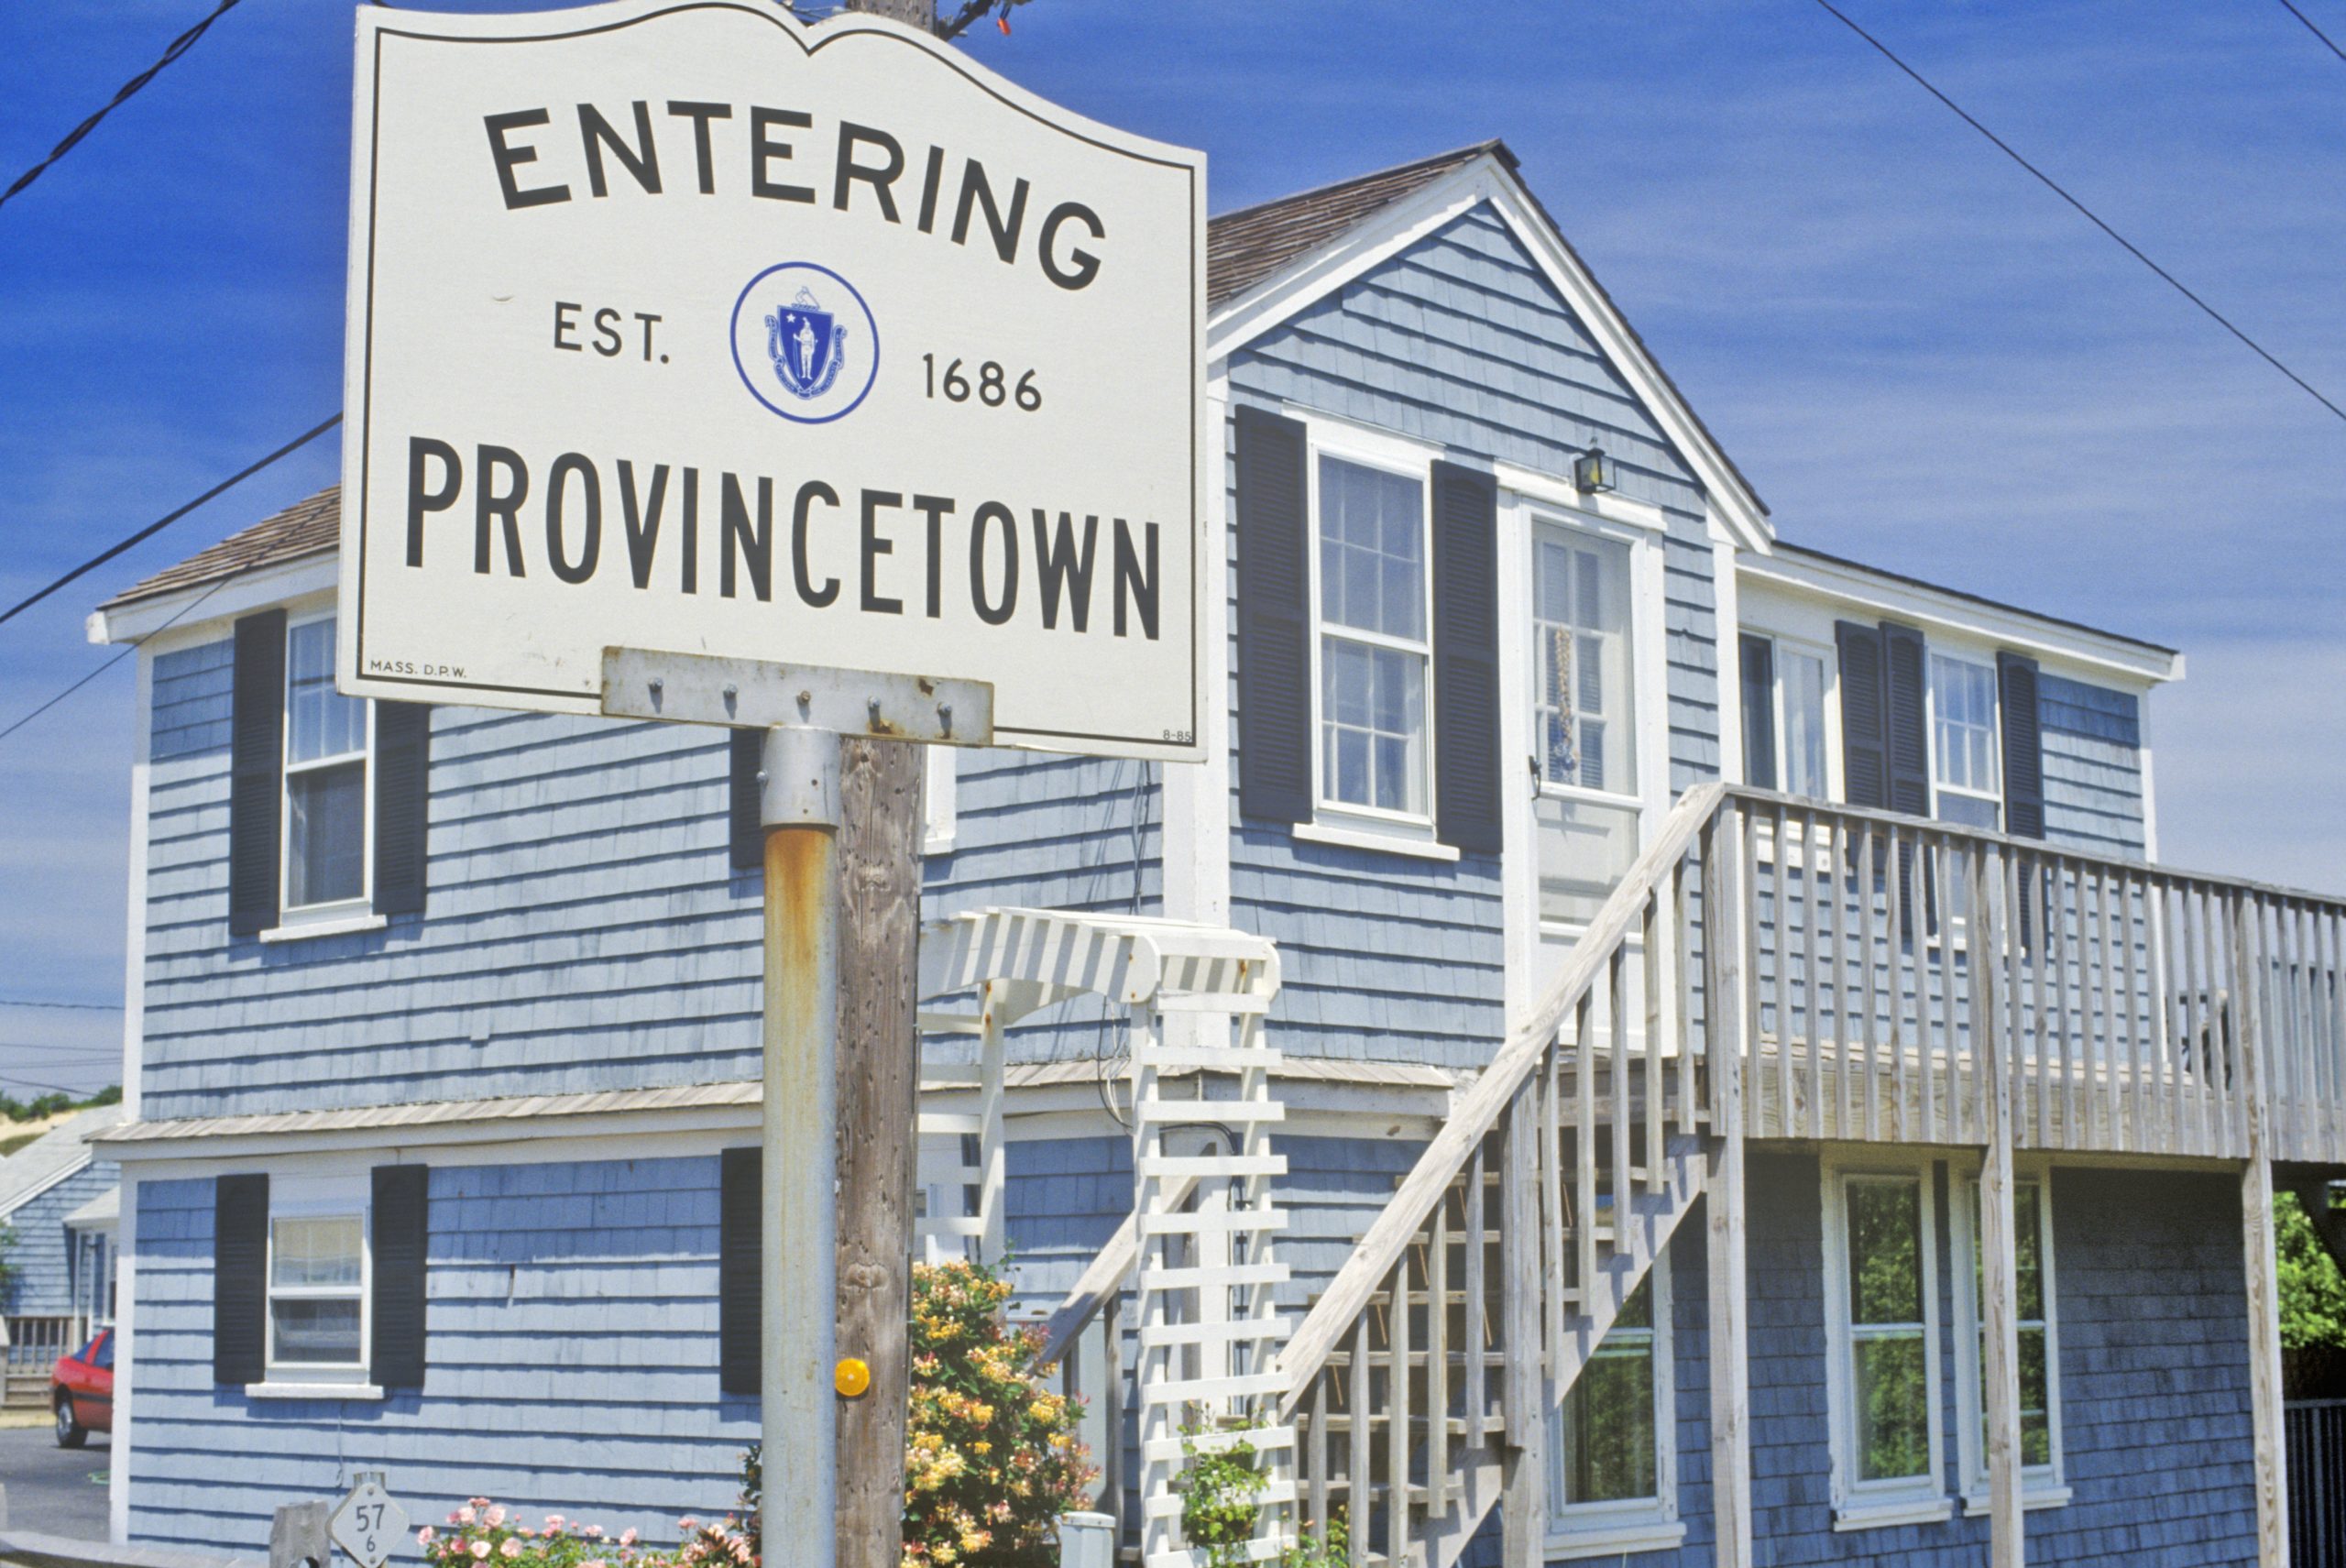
(2093, 766)
(42, 1280)
(571, 1352)
(583, 931)
(1457, 341)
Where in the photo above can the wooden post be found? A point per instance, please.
(879, 1090)
(1523, 1487)
(1992, 1045)
(1730, 1303)
(2267, 1417)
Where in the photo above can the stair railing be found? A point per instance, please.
(1511, 1244)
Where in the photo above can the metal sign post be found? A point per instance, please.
(804, 712)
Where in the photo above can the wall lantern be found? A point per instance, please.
(1593, 471)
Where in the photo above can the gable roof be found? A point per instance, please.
(1246, 247)
(305, 528)
(52, 1158)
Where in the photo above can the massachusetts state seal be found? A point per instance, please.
(804, 342)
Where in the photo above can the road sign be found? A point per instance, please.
(368, 1523)
(697, 328)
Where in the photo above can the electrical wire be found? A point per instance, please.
(178, 46)
(2317, 32)
(79, 1006)
(2088, 213)
(165, 521)
(128, 651)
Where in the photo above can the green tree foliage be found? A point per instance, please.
(2313, 1296)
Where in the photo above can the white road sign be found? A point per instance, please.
(691, 327)
(367, 1524)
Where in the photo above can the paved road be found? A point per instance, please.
(57, 1491)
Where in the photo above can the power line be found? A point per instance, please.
(178, 46)
(2050, 184)
(2317, 32)
(131, 648)
(165, 521)
(78, 1007)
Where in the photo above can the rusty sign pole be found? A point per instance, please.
(798, 805)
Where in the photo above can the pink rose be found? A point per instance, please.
(592, 1532)
(423, 1536)
(495, 1516)
(554, 1522)
(627, 1538)
(512, 1548)
(464, 1515)
(480, 1551)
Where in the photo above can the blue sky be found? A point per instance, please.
(1921, 357)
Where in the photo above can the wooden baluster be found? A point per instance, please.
(2140, 1092)
(1899, 937)
(2284, 1048)
(1787, 1106)
(2198, 1024)
(2010, 1060)
(2223, 1033)
(1315, 1452)
(1657, 951)
(1397, 1422)
(1870, 1085)
(1690, 1110)
(2046, 909)
(2114, 1125)
(1556, 1199)
(1754, 1084)
(1977, 1002)
(2065, 876)
(2333, 985)
(1812, 1013)
(1616, 1002)
(1356, 1493)
(1836, 847)
(2159, 995)
(1524, 1500)
(1438, 1364)
(1478, 1329)
(1583, 1156)
(1929, 890)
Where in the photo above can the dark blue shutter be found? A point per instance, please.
(1758, 712)
(747, 835)
(1274, 618)
(402, 766)
(256, 775)
(1906, 734)
(739, 1203)
(1864, 745)
(1466, 660)
(400, 1226)
(2023, 747)
(239, 1274)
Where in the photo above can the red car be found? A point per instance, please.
(82, 1391)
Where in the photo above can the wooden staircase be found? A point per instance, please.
(1423, 1378)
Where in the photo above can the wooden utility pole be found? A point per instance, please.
(879, 1092)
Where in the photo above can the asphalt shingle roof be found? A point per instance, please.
(52, 1157)
(305, 528)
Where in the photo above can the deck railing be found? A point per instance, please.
(1892, 960)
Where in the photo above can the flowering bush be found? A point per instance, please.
(483, 1534)
(990, 1459)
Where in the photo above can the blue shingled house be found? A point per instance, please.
(58, 1263)
(1753, 1093)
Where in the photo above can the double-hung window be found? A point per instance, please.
(1784, 744)
(1964, 767)
(1882, 1317)
(1584, 723)
(317, 1293)
(1373, 645)
(328, 781)
(2040, 1393)
(1613, 1444)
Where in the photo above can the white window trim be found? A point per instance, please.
(1866, 1505)
(2044, 1485)
(338, 912)
(941, 800)
(322, 1197)
(1367, 827)
(1957, 654)
(1600, 1530)
(1780, 642)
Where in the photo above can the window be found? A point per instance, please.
(317, 1267)
(1374, 649)
(1963, 741)
(1581, 613)
(1613, 1444)
(1784, 744)
(1881, 1299)
(1583, 722)
(326, 783)
(2040, 1415)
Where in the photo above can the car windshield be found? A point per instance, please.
(102, 1352)
(89, 1352)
